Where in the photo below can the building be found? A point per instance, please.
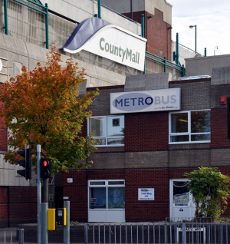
(142, 154)
(147, 138)
(29, 28)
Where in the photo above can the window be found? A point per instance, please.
(189, 127)
(107, 130)
(106, 194)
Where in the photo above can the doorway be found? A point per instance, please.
(182, 205)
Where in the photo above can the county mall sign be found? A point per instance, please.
(145, 101)
(109, 41)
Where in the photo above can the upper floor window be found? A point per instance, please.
(107, 130)
(189, 127)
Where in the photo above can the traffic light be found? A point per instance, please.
(25, 162)
(45, 168)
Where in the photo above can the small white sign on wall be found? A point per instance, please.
(146, 194)
(69, 180)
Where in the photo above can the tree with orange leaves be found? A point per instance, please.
(43, 106)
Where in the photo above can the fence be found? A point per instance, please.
(167, 233)
(129, 233)
(11, 236)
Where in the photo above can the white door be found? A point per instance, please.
(182, 206)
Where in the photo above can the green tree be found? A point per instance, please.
(43, 106)
(210, 189)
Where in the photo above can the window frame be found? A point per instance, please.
(105, 133)
(106, 185)
(188, 133)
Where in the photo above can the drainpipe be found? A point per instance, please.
(131, 8)
(177, 48)
(143, 25)
(99, 8)
(6, 16)
(47, 25)
(205, 52)
(165, 64)
(143, 34)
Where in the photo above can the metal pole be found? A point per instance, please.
(184, 234)
(45, 190)
(67, 227)
(165, 64)
(205, 52)
(38, 195)
(86, 233)
(99, 8)
(21, 236)
(44, 229)
(143, 25)
(131, 8)
(6, 16)
(195, 38)
(47, 25)
(177, 48)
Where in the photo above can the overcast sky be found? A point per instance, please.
(212, 18)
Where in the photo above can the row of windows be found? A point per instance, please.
(184, 127)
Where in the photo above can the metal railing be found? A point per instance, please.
(12, 236)
(167, 233)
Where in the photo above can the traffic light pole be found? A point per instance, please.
(38, 195)
(45, 190)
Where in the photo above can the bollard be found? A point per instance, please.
(86, 227)
(183, 233)
(21, 236)
(66, 234)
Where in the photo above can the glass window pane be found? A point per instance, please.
(115, 141)
(180, 193)
(116, 182)
(179, 122)
(97, 197)
(97, 127)
(202, 137)
(179, 138)
(200, 121)
(115, 126)
(116, 197)
(99, 141)
(93, 183)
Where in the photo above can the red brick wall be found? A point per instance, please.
(135, 210)
(22, 205)
(219, 128)
(157, 31)
(146, 132)
(3, 206)
(146, 210)
(77, 193)
(158, 34)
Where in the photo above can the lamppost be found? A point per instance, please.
(215, 48)
(194, 26)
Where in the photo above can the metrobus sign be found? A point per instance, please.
(145, 101)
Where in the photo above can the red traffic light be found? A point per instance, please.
(45, 163)
(45, 168)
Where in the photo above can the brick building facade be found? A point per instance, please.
(152, 156)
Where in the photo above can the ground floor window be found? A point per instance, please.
(106, 194)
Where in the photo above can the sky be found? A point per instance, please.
(212, 18)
